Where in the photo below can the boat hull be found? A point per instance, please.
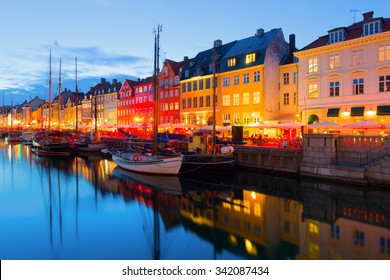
(207, 163)
(93, 147)
(153, 165)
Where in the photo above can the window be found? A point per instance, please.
(183, 103)
(200, 101)
(295, 78)
(245, 98)
(371, 28)
(256, 97)
(226, 81)
(358, 86)
(250, 57)
(236, 99)
(236, 79)
(236, 117)
(195, 85)
(231, 62)
(334, 61)
(334, 231)
(384, 83)
(295, 97)
(286, 78)
(384, 53)
(207, 83)
(226, 100)
(246, 78)
(286, 98)
(183, 87)
(189, 88)
(313, 90)
(256, 76)
(334, 88)
(246, 117)
(357, 57)
(358, 238)
(336, 36)
(195, 102)
(200, 84)
(208, 101)
(189, 102)
(226, 118)
(313, 65)
(385, 245)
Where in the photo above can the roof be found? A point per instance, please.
(255, 44)
(353, 31)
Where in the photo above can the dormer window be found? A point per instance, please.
(250, 57)
(231, 62)
(336, 36)
(372, 27)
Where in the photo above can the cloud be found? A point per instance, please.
(23, 75)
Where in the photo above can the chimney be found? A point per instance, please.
(114, 81)
(368, 15)
(103, 80)
(292, 43)
(260, 32)
(217, 43)
(185, 58)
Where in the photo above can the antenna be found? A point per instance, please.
(354, 11)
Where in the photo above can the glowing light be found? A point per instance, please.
(250, 248)
(253, 195)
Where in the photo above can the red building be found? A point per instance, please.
(126, 105)
(143, 106)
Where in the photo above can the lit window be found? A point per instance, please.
(250, 57)
(384, 53)
(236, 99)
(226, 100)
(334, 61)
(357, 57)
(313, 90)
(313, 65)
(245, 98)
(313, 228)
(231, 62)
(256, 97)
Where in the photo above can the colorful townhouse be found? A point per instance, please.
(143, 105)
(169, 92)
(344, 76)
(126, 108)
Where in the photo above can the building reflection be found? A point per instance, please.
(253, 216)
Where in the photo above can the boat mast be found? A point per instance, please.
(156, 85)
(77, 97)
(3, 112)
(50, 93)
(95, 112)
(59, 98)
(214, 98)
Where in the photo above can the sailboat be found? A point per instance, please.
(213, 158)
(151, 163)
(52, 143)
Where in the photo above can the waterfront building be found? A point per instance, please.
(143, 105)
(126, 102)
(344, 76)
(169, 92)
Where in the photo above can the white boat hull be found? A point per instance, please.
(146, 164)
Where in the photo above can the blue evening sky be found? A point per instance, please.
(114, 38)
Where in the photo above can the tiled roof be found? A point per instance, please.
(353, 31)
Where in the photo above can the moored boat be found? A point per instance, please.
(53, 143)
(13, 137)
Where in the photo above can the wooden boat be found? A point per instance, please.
(53, 143)
(151, 163)
(13, 137)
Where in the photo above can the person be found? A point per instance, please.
(285, 143)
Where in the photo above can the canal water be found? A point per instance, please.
(85, 207)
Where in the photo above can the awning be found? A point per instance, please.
(333, 112)
(383, 110)
(357, 111)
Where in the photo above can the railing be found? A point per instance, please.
(361, 150)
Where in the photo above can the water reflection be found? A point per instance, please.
(87, 208)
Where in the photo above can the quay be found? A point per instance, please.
(362, 160)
